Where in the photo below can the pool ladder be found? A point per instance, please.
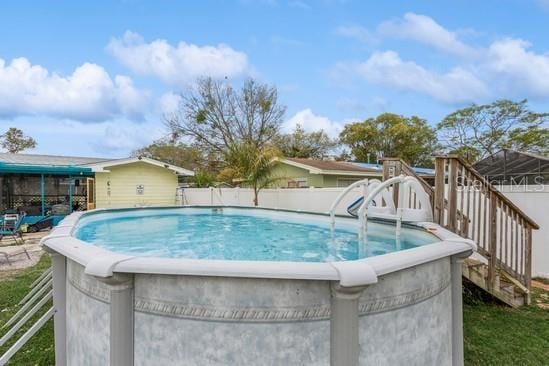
(413, 203)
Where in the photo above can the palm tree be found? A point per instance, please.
(251, 165)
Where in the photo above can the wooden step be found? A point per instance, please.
(507, 292)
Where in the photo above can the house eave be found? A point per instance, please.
(102, 167)
(313, 170)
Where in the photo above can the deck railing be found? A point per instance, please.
(465, 203)
(478, 211)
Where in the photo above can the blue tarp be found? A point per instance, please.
(29, 220)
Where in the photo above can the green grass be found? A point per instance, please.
(498, 335)
(494, 334)
(13, 287)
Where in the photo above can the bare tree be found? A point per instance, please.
(216, 117)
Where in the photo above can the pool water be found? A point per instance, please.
(208, 234)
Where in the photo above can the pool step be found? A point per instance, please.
(505, 288)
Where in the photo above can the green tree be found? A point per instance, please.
(14, 141)
(532, 138)
(215, 116)
(477, 131)
(391, 135)
(179, 154)
(203, 179)
(302, 144)
(250, 165)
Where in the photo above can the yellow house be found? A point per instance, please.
(133, 182)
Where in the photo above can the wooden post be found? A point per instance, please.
(517, 229)
(467, 217)
(386, 165)
(438, 203)
(396, 165)
(528, 261)
(492, 263)
(452, 195)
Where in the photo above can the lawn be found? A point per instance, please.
(13, 287)
(494, 334)
(499, 335)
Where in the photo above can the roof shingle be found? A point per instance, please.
(55, 160)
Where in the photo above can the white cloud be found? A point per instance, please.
(312, 122)
(357, 32)
(169, 103)
(426, 30)
(515, 70)
(388, 69)
(505, 68)
(113, 138)
(124, 137)
(88, 94)
(177, 65)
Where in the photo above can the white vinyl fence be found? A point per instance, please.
(303, 199)
(533, 200)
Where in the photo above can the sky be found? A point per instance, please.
(94, 78)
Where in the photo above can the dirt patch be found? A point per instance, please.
(20, 260)
(540, 285)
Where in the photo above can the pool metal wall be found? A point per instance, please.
(406, 318)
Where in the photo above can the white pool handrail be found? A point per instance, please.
(402, 213)
(337, 201)
(375, 191)
(422, 214)
(383, 196)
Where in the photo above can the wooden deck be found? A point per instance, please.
(468, 205)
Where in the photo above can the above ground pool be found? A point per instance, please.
(253, 286)
(234, 234)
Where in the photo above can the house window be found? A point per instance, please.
(298, 183)
(345, 182)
